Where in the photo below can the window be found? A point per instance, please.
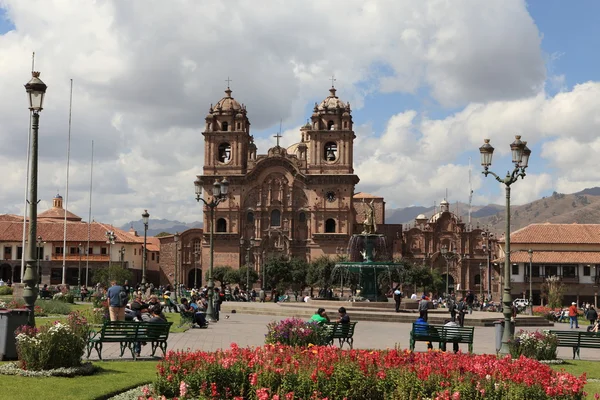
(19, 253)
(302, 217)
(221, 225)
(224, 152)
(330, 151)
(330, 125)
(275, 218)
(587, 270)
(40, 253)
(250, 217)
(153, 256)
(91, 250)
(104, 251)
(196, 245)
(73, 250)
(535, 271)
(225, 126)
(551, 270)
(477, 279)
(330, 226)
(569, 271)
(515, 269)
(238, 126)
(58, 250)
(345, 124)
(158, 258)
(7, 252)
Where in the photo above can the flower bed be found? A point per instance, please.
(536, 345)
(295, 332)
(283, 372)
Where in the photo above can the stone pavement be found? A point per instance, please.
(250, 330)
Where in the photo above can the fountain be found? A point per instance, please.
(367, 254)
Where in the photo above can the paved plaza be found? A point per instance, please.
(250, 330)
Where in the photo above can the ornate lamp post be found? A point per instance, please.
(197, 254)
(219, 192)
(530, 251)
(79, 250)
(248, 249)
(40, 243)
(36, 90)
(520, 159)
(145, 219)
(447, 256)
(480, 285)
(176, 240)
(488, 255)
(110, 240)
(122, 256)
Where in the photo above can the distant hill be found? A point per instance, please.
(582, 208)
(156, 226)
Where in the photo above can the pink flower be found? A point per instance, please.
(183, 389)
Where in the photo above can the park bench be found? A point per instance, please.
(127, 334)
(441, 334)
(342, 332)
(577, 340)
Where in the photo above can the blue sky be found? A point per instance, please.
(426, 84)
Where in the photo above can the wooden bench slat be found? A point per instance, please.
(344, 333)
(441, 334)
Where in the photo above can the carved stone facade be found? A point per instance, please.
(297, 201)
(469, 251)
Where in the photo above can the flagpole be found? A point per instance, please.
(64, 261)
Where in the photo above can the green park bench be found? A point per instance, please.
(441, 334)
(344, 333)
(577, 340)
(129, 333)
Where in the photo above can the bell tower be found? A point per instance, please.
(227, 140)
(330, 137)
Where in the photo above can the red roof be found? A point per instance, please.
(557, 234)
(555, 257)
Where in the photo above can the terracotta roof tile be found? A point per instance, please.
(557, 234)
(555, 257)
(362, 195)
(58, 213)
(153, 243)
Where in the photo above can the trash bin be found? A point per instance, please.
(10, 320)
(499, 329)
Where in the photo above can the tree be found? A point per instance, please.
(553, 291)
(277, 273)
(224, 275)
(423, 276)
(298, 269)
(239, 277)
(320, 272)
(114, 272)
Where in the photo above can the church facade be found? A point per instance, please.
(298, 201)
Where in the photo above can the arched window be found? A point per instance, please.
(221, 225)
(330, 125)
(224, 126)
(238, 126)
(275, 218)
(250, 217)
(302, 217)
(330, 151)
(477, 279)
(345, 124)
(330, 226)
(224, 152)
(196, 246)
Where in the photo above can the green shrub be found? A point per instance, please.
(5, 290)
(52, 346)
(295, 332)
(54, 307)
(64, 297)
(536, 345)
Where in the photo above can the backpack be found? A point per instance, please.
(123, 297)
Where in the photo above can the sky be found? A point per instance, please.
(427, 82)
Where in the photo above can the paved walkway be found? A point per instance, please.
(250, 330)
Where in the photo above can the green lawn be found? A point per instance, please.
(114, 377)
(578, 367)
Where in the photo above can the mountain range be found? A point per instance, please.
(582, 208)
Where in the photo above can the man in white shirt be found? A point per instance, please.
(413, 296)
(1, 282)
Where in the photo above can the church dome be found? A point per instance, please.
(421, 216)
(331, 101)
(228, 103)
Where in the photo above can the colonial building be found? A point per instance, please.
(571, 253)
(80, 260)
(468, 251)
(181, 258)
(298, 201)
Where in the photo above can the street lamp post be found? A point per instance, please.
(79, 249)
(219, 193)
(122, 256)
(36, 90)
(197, 254)
(520, 158)
(530, 251)
(247, 249)
(447, 256)
(110, 240)
(480, 285)
(145, 219)
(488, 253)
(176, 240)
(39, 243)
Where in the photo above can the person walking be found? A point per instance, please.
(592, 315)
(261, 295)
(573, 315)
(117, 299)
(452, 308)
(461, 309)
(397, 297)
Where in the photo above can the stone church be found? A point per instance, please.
(298, 201)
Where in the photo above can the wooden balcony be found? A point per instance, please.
(75, 257)
(542, 279)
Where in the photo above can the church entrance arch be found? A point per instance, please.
(194, 276)
(450, 283)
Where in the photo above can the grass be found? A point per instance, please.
(578, 367)
(114, 377)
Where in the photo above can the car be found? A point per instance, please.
(521, 302)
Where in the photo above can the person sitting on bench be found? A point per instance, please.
(45, 293)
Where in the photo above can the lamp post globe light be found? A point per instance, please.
(36, 91)
(145, 219)
(219, 193)
(520, 158)
(530, 251)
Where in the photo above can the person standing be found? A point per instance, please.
(592, 315)
(117, 299)
(461, 309)
(423, 307)
(262, 295)
(452, 308)
(573, 315)
(397, 297)
(470, 301)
